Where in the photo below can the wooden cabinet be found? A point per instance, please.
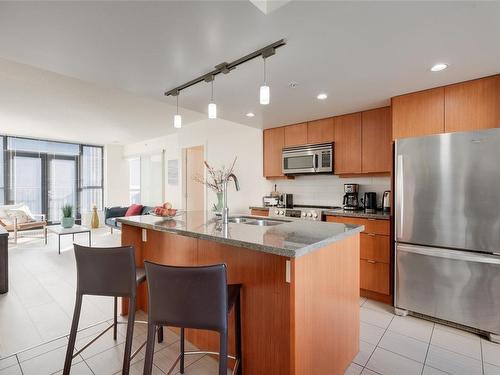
(347, 144)
(274, 140)
(417, 114)
(376, 141)
(257, 212)
(296, 135)
(472, 105)
(320, 131)
(375, 256)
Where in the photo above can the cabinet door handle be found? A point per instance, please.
(371, 234)
(371, 261)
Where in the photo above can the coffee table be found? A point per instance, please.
(60, 231)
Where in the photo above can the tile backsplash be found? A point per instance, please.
(327, 190)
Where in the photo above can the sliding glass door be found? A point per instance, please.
(26, 181)
(62, 181)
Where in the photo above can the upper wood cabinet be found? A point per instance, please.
(417, 114)
(320, 131)
(472, 105)
(274, 140)
(296, 135)
(376, 141)
(347, 149)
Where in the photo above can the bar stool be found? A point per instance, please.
(192, 297)
(107, 272)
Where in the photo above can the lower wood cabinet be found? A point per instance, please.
(375, 256)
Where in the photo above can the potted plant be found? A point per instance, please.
(215, 181)
(67, 220)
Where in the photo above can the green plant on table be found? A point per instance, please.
(67, 210)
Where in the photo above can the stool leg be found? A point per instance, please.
(72, 335)
(181, 365)
(223, 353)
(150, 348)
(237, 335)
(160, 334)
(128, 340)
(115, 320)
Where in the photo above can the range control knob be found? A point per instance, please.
(315, 215)
(282, 212)
(276, 212)
(309, 214)
(303, 214)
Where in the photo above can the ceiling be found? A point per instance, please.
(359, 53)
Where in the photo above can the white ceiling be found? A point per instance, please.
(360, 53)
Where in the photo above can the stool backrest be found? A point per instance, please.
(193, 297)
(108, 271)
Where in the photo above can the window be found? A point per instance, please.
(45, 175)
(134, 180)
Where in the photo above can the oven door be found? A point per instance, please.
(297, 162)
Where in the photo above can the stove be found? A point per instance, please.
(304, 212)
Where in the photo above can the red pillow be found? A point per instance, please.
(134, 210)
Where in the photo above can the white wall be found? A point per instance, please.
(116, 179)
(323, 190)
(222, 140)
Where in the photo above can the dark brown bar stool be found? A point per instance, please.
(106, 272)
(192, 297)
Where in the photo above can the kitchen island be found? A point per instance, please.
(300, 284)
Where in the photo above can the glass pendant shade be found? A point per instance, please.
(264, 95)
(212, 110)
(177, 121)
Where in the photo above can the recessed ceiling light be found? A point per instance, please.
(439, 67)
(322, 96)
(250, 114)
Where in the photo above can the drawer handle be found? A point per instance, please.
(371, 234)
(372, 219)
(371, 261)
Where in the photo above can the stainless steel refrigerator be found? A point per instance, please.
(447, 228)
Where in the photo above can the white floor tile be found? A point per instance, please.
(452, 363)
(362, 300)
(110, 361)
(368, 372)
(102, 344)
(433, 371)
(8, 362)
(47, 363)
(388, 363)
(491, 352)
(412, 327)
(13, 370)
(377, 318)
(370, 333)
(379, 306)
(404, 345)
(365, 351)
(469, 345)
(79, 369)
(491, 370)
(41, 349)
(353, 369)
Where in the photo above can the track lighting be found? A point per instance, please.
(212, 107)
(177, 117)
(264, 89)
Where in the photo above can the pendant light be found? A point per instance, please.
(264, 89)
(212, 107)
(177, 117)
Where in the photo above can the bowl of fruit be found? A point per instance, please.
(165, 210)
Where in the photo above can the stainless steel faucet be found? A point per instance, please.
(225, 209)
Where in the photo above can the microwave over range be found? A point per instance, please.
(308, 159)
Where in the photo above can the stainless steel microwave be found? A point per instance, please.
(308, 159)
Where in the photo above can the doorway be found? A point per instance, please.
(194, 192)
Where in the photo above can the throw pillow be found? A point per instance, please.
(19, 214)
(134, 210)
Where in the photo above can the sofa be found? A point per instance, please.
(112, 213)
(16, 218)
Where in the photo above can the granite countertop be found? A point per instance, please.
(380, 215)
(293, 238)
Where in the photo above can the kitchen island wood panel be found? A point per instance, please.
(300, 320)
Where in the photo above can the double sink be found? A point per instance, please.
(250, 220)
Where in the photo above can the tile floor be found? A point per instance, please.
(41, 297)
(37, 310)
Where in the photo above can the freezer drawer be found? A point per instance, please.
(457, 286)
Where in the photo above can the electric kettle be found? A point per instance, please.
(386, 201)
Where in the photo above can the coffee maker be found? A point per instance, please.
(350, 201)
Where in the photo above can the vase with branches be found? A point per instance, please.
(215, 179)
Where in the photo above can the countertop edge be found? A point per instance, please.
(249, 245)
(379, 215)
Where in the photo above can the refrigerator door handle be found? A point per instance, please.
(449, 254)
(400, 195)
